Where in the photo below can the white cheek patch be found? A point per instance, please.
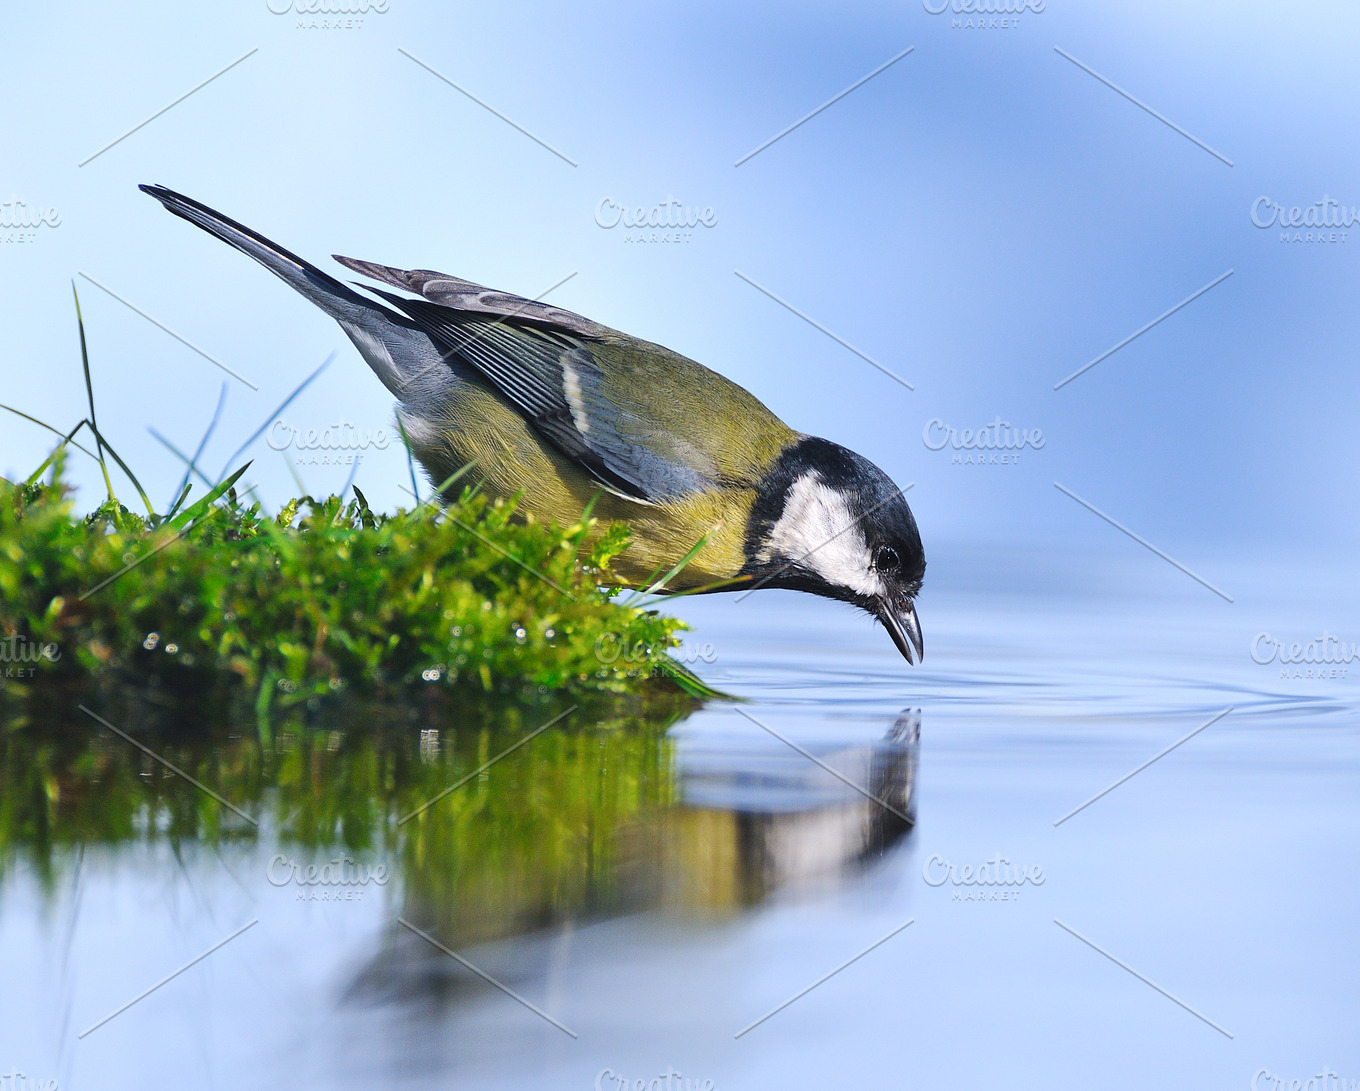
(817, 531)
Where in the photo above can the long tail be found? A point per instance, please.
(399, 353)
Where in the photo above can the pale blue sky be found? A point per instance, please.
(982, 218)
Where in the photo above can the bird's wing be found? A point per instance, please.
(473, 299)
(635, 415)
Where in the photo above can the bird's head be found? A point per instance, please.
(830, 522)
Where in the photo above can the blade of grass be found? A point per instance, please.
(187, 516)
(584, 524)
(100, 442)
(89, 390)
(251, 490)
(651, 577)
(181, 456)
(56, 451)
(55, 431)
(675, 571)
(297, 477)
(279, 409)
(188, 488)
(716, 585)
(127, 470)
(198, 452)
(410, 461)
(449, 481)
(590, 508)
(690, 682)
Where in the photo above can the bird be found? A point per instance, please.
(558, 411)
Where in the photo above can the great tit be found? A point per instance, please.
(558, 409)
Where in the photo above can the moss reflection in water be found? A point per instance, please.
(534, 831)
(583, 821)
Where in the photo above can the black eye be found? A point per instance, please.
(887, 560)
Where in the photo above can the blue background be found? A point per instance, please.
(982, 218)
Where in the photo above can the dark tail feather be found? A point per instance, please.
(333, 297)
(389, 342)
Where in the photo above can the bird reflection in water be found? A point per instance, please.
(738, 828)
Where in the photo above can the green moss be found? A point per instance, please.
(322, 597)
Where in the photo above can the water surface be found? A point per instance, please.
(649, 883)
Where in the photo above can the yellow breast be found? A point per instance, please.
(477, 426)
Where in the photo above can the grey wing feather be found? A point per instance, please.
(540, 359)
(469, 298)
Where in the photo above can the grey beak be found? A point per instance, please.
(905, 630)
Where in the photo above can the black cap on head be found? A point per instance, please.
(830, 522)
